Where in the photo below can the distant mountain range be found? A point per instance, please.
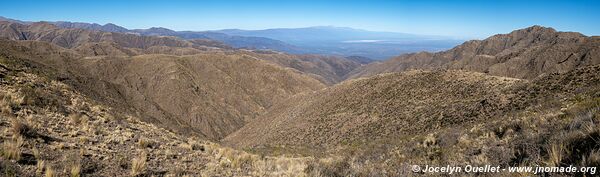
(346, 41)
(327, 40)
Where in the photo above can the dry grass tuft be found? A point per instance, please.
(76, 170)
(146, 143)
(592, 160)
(41, 164)
(50, 172)
(18, 127)
(5, 103)
(75, 118)
(243, 160)
(36, 153)
(138, 165)
(12, 149)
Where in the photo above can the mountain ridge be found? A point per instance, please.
(534, 50)
(324, 40)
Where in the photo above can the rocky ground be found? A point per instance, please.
(47, 128)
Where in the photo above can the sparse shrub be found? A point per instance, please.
(41, 164)
(60, 145)
(76, 170)
(49, 172)
(429, 141)
(592, 160)
(75, 118)
(12, 149)
(83, 140)
(123, 161)
(146, 143)
(36, 153)
(195, 146)
(138, 164)
(5, 103)
(8, 169)
(329, 167)
(43, 98)
(243, 160)
(73, 161)
(19, 127)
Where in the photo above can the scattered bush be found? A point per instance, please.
(146, 143)
(19, 127)
(329, 167)
(5, 103)
(41, 164)
(138, 164)
(75, 118)
(76, 170)
(36, 153)
(8, 169)
(12, 149)
(556, 154)
(243, 160)
(49, 172)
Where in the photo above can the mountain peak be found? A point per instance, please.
(537, 29)
(111, 25)
(160, 29)
(539, 33)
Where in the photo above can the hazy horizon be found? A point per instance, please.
(462, 19)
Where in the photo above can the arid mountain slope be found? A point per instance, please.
(215, 94)
(48, 128)
(329, 70)
(381, 126)
(524, 53)
(379, 107)
(94, 43)
(210, 94)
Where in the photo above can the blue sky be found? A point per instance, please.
(464, 19)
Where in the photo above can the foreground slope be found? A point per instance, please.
(379, 107)
(382, 126)
(48, 128)
(524, 53)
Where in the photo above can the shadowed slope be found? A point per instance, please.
(211, 94)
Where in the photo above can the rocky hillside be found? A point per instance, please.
(379, 107)
(524, 53)
(381, 126)
(214, 94)
(94, 43)
(77, 102)
(247, 42)
(405, 104)
(48, 128)
(211, 94)
(329, 70)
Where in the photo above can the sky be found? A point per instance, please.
(462, 19)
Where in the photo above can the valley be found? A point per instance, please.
(81, 99)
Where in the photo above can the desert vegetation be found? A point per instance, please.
(74, 104)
